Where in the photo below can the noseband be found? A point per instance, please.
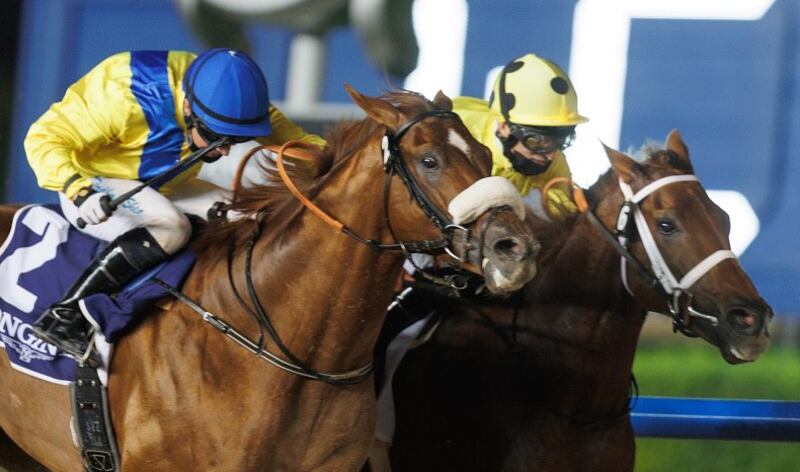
(660, 277)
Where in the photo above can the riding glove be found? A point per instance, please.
(559, 203)
(93, 207)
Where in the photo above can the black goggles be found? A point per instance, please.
(210, 136)
(538, 142)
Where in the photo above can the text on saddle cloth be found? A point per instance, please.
(41, 258)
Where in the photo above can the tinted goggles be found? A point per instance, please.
(210, 136)
(537, 142)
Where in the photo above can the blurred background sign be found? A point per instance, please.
(724, 72)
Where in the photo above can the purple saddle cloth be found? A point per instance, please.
(41, 258)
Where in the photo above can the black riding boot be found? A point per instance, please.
(122, 260)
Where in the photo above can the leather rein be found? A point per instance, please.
(392, 162)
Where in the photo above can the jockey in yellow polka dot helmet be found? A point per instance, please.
(529, 120)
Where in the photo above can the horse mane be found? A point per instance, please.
(272, 206)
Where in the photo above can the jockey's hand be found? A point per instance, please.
(559, 203)
(94, 208)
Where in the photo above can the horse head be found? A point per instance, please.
(664, 216)
(426, 147)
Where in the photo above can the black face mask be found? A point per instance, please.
(519, 162)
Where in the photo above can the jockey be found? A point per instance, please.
(129, 119)
(528, 122)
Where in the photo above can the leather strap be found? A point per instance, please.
(92, 422)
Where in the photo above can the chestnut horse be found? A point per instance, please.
(541, 381)
(185, 398)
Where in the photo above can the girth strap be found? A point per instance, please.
(92, 422)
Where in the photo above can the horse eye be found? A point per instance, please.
(665, 226)
(429, 162)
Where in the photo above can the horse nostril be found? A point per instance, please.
(509, 247)
(743, 320)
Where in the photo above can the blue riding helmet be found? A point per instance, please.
(228, 93)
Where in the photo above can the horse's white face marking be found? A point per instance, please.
(458, 141)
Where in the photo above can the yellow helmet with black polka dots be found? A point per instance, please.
(535, 92)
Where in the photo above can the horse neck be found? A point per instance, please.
(325, 292)
(584, 324)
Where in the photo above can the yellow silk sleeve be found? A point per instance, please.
(92, 113)
(284, 129)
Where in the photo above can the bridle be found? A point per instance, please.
(392, 162)
(660, 277)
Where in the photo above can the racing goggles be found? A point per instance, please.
(538, 142)
(211, 137)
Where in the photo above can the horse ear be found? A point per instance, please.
(623, 165)
(675, 144)
(379, 110)
(442, 101)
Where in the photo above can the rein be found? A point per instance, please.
(392, 162)
(344, 378)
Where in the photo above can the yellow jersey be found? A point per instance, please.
(124, 119)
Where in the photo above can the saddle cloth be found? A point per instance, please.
(39, 261)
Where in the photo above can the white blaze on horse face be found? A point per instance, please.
(483, 195)
(458, 141)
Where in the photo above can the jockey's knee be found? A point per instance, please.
(171, 233)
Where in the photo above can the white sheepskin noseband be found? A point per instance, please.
(487, 193)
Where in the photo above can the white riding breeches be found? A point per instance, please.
(162, 215)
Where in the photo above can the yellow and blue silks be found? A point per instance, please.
(124, 119)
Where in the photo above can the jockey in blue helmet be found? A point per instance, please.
(130, 118)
